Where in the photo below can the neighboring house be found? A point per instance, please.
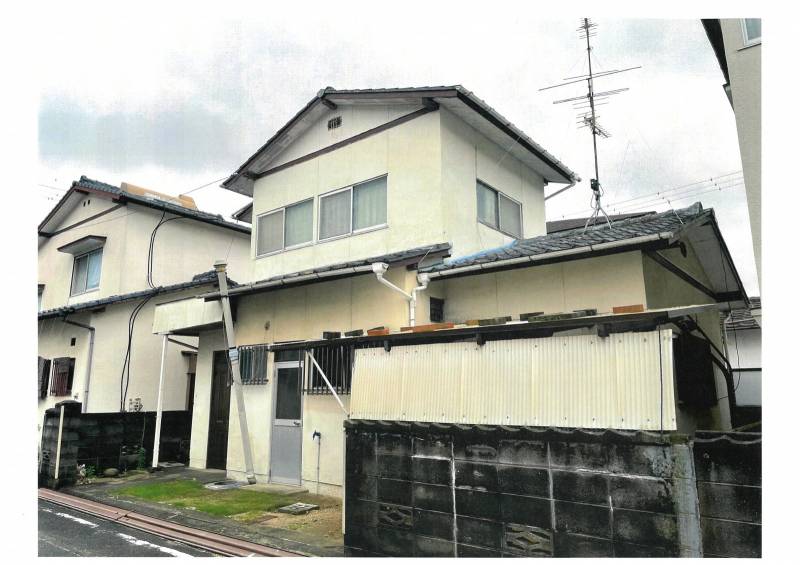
(743, 339)
(430, 192)
(737, 45)
(107, 257)
(556, 226)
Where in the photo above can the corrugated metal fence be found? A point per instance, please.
(624, 381)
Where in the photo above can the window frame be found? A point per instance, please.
(747, 42)
(41, 295)
(282, 210)
(352, 232)
(75, 260)
(497, 194)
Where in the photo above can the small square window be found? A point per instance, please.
(437, 310)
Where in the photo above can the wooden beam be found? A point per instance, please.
(680, 273)
(345, 142)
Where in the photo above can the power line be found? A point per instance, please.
(204, 185)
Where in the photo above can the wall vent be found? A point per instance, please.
(334, 123)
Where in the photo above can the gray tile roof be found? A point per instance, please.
(399, 257)
(575, 238)
(200, 279)
(564, 225)
(742, 318)
(119, 194)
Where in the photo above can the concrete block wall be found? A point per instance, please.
(431, 490)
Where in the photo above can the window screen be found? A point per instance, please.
(510, 216)
(270, 232)
(487, 205)
(334, 212)
(369, 204)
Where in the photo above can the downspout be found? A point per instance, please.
(90, 356)
(380, 268)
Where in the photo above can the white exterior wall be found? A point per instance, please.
(744, 70)
(111, 339)
(183, 249)
(468, 156)
(408, 154)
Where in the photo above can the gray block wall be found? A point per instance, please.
(471, 491)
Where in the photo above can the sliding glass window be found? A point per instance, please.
(499, 211)
(353, 209)
(285, 228)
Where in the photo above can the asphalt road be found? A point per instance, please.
(68, 533)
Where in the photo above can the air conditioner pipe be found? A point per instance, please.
(423, 278)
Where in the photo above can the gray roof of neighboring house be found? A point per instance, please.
(742, 318)
(209, 277)
(564, 225)
(119, 195)
(455, 92)
(599, 233)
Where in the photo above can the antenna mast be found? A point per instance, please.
(589, 119)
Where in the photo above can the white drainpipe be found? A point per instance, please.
(89, 359)
(380, 268)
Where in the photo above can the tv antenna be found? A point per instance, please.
(586, 106)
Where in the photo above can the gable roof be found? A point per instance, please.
(457, 99)
(695, 225)
(201, 279)
(86, 185)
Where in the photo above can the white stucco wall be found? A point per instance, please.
(111, 339)
(744, 69)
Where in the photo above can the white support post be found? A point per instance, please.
(160, 405)
(58, 444)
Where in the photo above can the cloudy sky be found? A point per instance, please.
(175, 103)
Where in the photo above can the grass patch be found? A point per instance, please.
(192, 494)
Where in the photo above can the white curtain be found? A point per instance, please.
(369, 204)
(299, 222)
(93, 275)
(510, 220)
(334, 215)
(270, 232)
(487, 205)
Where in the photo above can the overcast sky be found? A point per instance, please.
(172, 104)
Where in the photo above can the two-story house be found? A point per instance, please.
(402, 271)
(107, 256)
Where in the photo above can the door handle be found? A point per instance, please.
(296, 423)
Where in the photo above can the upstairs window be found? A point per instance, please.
(498, 211)
(86, 272)
(353, 209)
(751, 28)
(285, 228)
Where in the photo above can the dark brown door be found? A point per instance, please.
(219, 412)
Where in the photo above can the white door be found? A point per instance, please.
(287, 423)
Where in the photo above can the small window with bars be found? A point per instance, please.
(63, 373)
(437, 309)
(44, 376)
(337, 363)
(334, 123)
(253, 364)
